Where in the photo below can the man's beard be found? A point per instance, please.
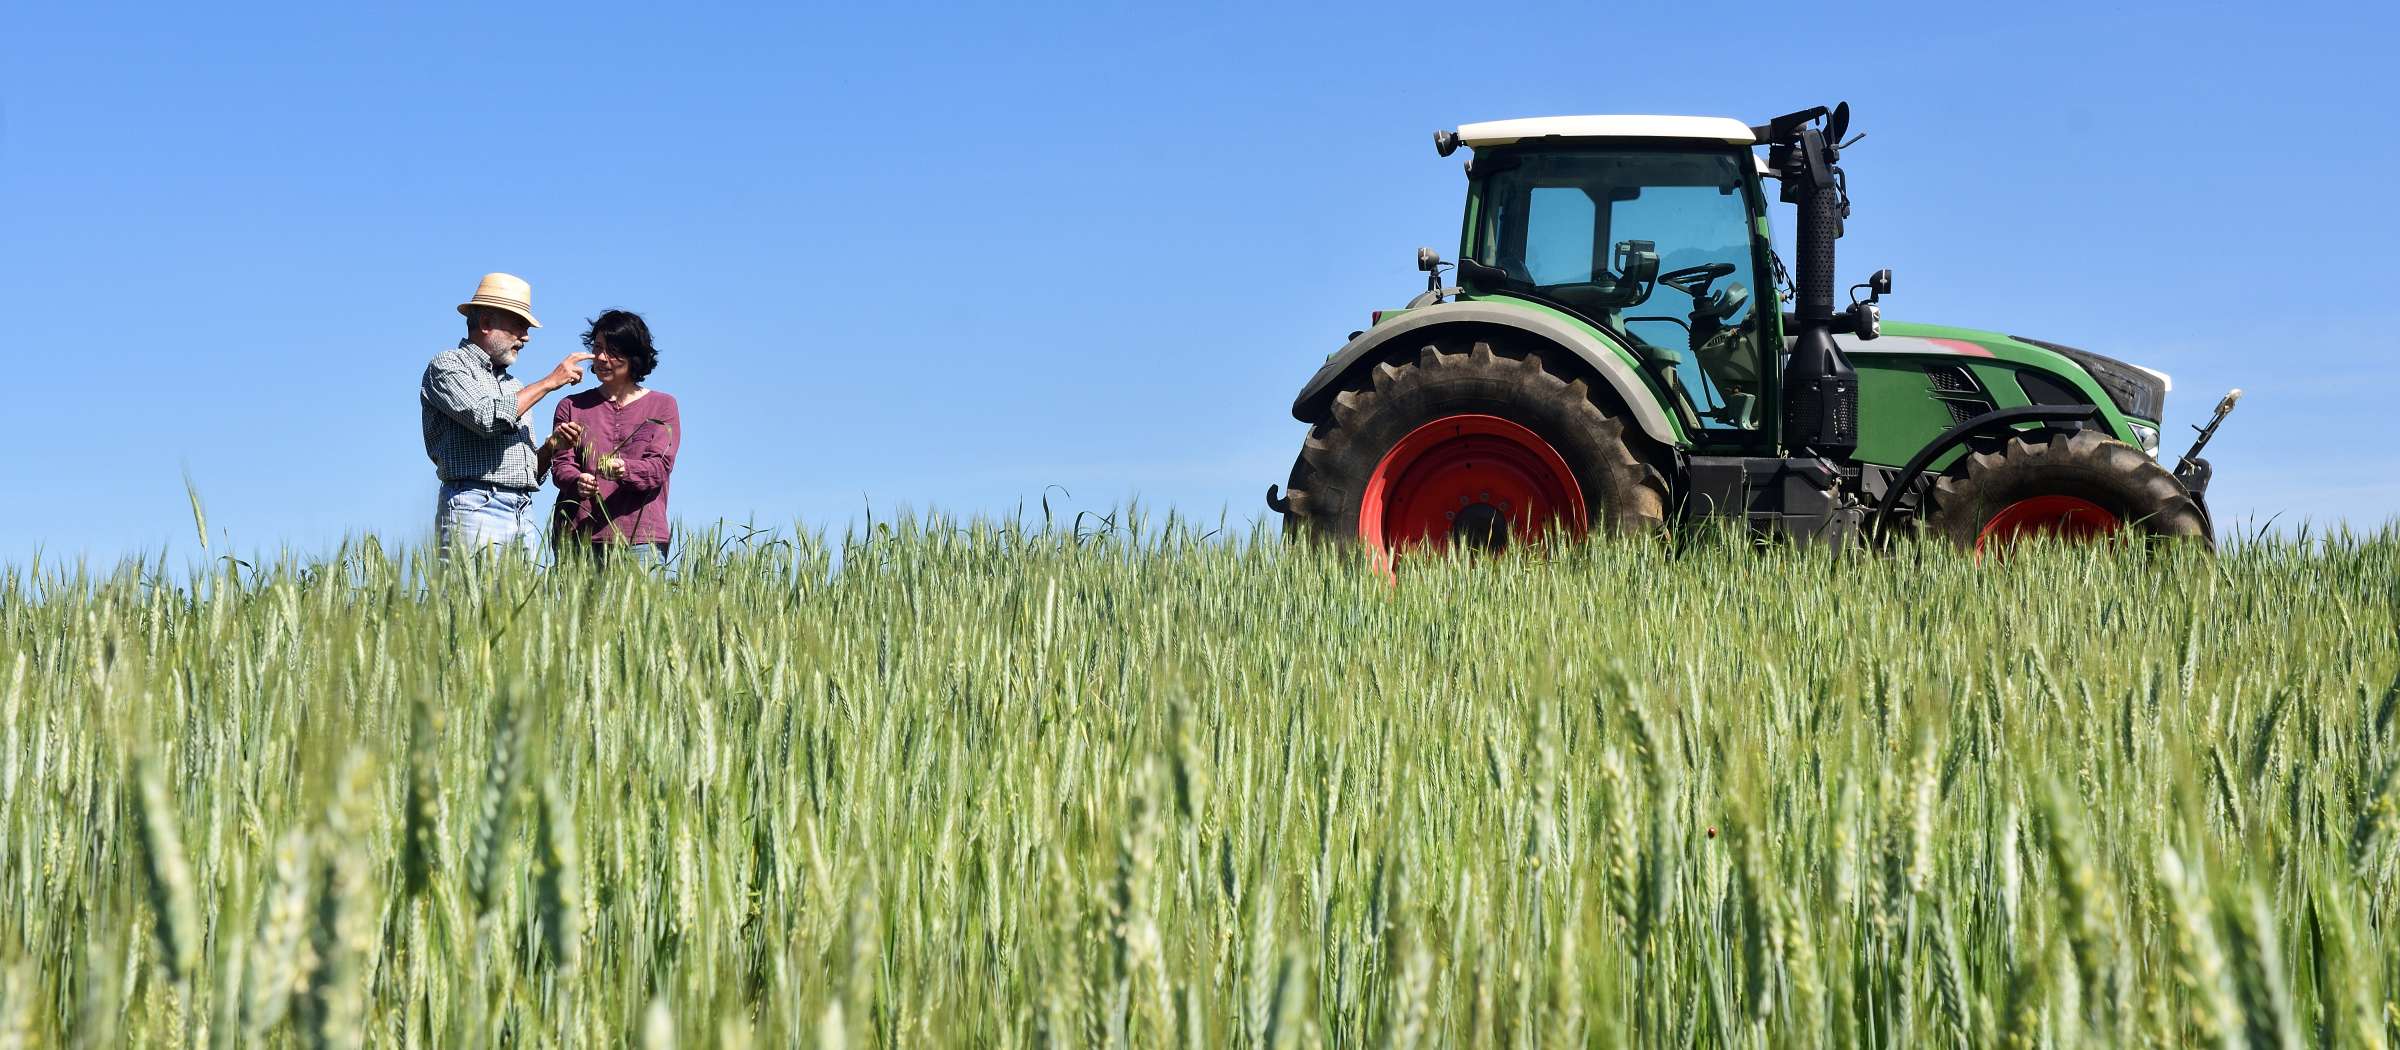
(504, 358)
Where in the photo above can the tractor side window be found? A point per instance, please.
(1690, 224)
(1559, 235)
(1696, 227)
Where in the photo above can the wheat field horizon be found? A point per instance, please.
(993, 785)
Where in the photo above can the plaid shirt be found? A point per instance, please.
(472, 431)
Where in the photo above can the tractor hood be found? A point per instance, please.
(2139, 392)
(2134, 391)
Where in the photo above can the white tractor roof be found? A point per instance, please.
(1503, 132)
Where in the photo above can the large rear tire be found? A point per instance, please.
(1478, 443)
(2081, 487)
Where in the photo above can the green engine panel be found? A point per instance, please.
(1897, 413)
(1901, 407)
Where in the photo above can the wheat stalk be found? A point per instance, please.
(276, 966)
(167, 875)
(556, 889)
(503, 771)
(421, 829)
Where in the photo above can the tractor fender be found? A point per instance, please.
(1604, 359)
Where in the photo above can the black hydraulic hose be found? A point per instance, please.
(2000, 419)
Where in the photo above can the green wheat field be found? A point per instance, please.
(954, 784)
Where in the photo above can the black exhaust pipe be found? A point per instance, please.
(1820, 389)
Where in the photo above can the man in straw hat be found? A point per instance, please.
(475, 429)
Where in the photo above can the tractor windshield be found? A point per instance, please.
(1653, 245)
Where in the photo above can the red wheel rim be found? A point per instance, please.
(1477, 478)
(2069, 518)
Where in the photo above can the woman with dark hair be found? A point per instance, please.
(612, 486)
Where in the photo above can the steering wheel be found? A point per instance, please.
(1694, 280)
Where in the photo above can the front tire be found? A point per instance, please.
(1477, 443)
(2079, 487)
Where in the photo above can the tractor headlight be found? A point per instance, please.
(2148, 434)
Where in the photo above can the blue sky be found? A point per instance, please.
(927, 257)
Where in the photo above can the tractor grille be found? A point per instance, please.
(1952, 379)
(1957, 390)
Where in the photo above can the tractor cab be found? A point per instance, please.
(1617, 350)
(1648, 229)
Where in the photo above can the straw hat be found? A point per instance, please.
(505, 291)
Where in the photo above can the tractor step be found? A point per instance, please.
(1802, 497)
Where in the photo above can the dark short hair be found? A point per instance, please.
(628, 337)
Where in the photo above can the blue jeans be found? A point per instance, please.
(646, 555)
(472, 517)
(650, 556)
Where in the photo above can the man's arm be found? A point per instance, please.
(454, 392)
(568, 373)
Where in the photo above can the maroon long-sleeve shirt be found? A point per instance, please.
(644, 434)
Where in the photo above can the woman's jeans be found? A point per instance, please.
(645, 555)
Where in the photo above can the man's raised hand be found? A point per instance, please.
(570, 371)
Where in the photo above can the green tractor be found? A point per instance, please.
(1606, 359)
